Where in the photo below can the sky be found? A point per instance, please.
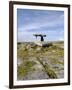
(32, 21)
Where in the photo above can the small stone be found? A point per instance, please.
(38, 49)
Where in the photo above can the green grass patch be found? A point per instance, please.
(22, 53)
(51, 73)
(55, 61)
(25, 68)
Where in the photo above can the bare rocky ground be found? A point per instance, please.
(36, 62)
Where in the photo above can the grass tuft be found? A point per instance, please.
(51, 73)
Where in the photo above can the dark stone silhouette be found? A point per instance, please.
(42, 36)
(42, 39)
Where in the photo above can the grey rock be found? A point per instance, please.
(36, 75)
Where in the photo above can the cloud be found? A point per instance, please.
(38, 25)
(50, 23)
(36, 19)
(61, 39)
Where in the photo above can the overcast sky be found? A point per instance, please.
(49, 22)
